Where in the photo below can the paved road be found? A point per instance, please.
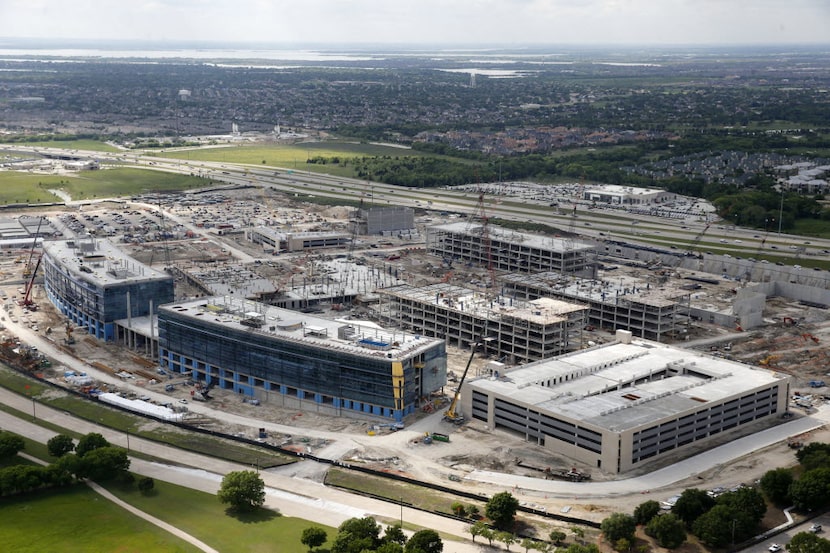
(291, 496)
(667, 475)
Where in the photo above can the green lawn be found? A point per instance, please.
(77, 519)
(21, 188)
(109, 183)
(203, 516)
(290, 156)
(18, 187)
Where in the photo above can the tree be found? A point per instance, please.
(60, 445)
(646, 511)
(507, 538)
(557, 536)
(501, 509)
(622, 544)
(723, 525)
(747, 500)
(389, 547)
(488, 534)
(394, 534)
(10, 445)
(355, 535)
(668, 530)
(578, 532)
(807, 542)
(810, 491)
(580, 548)
(691, 504)
(90, 442)
(244, 490)
(105, 463)
(458, 509)
(810, 449)
(618, 526)
(477, 529)
(528, 544)
(146, 485)
(776, 485)
(313, 536)
(424, 541)
(472, 511)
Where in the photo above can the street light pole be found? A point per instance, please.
(781, 212)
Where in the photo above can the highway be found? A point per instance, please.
(595, 223)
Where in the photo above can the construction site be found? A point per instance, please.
(466, 283)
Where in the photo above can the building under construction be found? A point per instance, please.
(386, 221)
(507, 250)
(94, 284)
(300, 361)
(649, 311)
(620, 405)
(516, 331)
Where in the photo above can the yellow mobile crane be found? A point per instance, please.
(451, 415)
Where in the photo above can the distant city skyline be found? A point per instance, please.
(461, 22)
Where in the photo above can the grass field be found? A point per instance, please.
(21, 188)
(18, 187)
(290, 156)
(201, 515)
(76, 519)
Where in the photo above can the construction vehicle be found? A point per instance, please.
(451, 415)
(27, 301)
(69, 340)
(769, 360)
(437, 437)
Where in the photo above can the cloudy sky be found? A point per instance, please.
(500, 22)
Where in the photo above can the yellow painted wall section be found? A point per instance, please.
(397, 384)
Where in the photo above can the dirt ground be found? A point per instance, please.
(795, 344)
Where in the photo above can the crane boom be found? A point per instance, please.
(451, 414)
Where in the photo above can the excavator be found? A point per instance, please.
(451, 415)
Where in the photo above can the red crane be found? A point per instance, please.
(27, 301)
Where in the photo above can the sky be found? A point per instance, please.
(428, 22)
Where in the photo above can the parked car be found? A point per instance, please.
(774, 548)
(815, 528)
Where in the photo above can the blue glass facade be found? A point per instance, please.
(247, 361)
(95, 306)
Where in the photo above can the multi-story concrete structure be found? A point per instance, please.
(518, 331)
(386, 220)
(502, 249)
(94, 284)
(296, 241)
(299, 361)
(648, 311)
(622, 404)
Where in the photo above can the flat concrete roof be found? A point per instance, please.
(612, 287)
(284, 324)
(548, 243)
(619, 386)
(100, 262)
(456, 298)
